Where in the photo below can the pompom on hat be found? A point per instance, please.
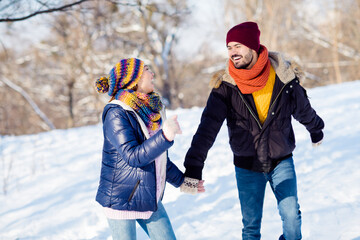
(246, 33)
(124, 75)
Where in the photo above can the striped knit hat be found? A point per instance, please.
(124, 75)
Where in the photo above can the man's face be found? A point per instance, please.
(240, 55)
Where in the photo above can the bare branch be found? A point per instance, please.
(313, 35)
(62, 8)
(36, 108)
(123, 3)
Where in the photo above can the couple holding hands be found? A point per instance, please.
(258, 93)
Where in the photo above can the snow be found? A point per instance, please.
(50, 180)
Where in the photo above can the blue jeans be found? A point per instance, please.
(157, 227)
(251, 186)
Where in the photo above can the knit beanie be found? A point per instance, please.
(246, 33)
(124, 75)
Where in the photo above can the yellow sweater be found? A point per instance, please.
(262, 97)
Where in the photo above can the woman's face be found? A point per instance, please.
(146, 82)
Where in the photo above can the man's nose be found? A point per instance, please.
(232, 52)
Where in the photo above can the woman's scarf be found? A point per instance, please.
(254, 79)
(147, 106)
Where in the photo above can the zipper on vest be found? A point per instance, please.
(133, 191)
(156, 202)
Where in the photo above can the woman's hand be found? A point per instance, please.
(192, 186)
(171, 128)
(201, 187)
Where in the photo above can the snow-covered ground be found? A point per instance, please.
(50, 180)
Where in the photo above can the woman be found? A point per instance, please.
(135, 165)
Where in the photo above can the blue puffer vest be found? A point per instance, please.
(128, 176)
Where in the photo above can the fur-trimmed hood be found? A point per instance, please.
(286, 70)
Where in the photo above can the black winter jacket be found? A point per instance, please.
(255, 147)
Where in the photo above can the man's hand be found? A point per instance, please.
(317, 138)
(192, 186)
(317, 144)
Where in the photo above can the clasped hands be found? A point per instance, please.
(192, 186)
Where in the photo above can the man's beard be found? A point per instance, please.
(248, 59)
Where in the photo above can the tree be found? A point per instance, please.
(159, 23)
(19, 112)
(20, 10)
(322, 37)
(84, 45)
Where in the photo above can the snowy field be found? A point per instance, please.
(49, 181)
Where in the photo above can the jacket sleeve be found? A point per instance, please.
(173, 175)
(306, 115)
(211, 121)
(124, 137)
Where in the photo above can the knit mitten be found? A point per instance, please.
(171, 128)
(190, 185)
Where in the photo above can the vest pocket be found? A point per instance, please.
(133, 191)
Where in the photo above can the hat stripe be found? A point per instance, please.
(129, 72)
(117, 73)
(112, 81)
(125, 75)
(136, 76)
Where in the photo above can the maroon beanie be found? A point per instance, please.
(246, 33)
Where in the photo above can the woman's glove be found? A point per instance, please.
(171, 128)
(192, 186)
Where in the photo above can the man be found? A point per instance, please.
(257, 94)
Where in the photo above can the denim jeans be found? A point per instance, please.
(157, 227)
(251, 186)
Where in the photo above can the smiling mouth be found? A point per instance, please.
(237, 58)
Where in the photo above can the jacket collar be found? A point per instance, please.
(282, 67)
(128, 108)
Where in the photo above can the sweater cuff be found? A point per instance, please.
(317, 137)
(193, 172)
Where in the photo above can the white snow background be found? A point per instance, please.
(51, 180)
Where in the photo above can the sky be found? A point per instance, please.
(50, 180)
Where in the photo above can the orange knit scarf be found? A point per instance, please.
(254, 79)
